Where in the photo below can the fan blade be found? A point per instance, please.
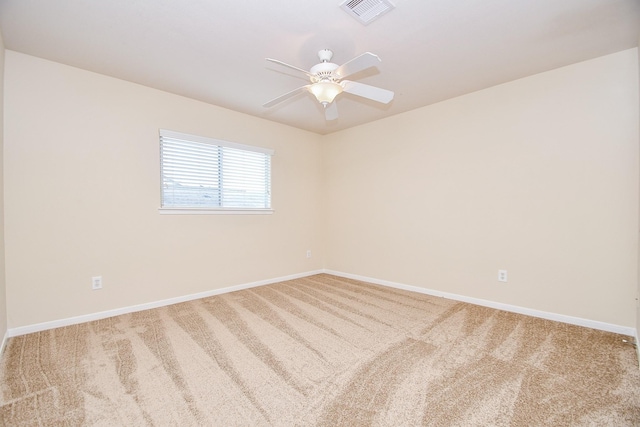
(371, 92)
(359, 63)
(286, 96)
(331, 111)
(290, 66)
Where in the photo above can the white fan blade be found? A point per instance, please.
(290, 66)
(370, 92)
(331, 111)
(286, 96)
(359, 63)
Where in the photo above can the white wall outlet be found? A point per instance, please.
(502, 275)
(308, 253)
(96, 282)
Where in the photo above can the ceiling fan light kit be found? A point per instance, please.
(327, 81)
(325, 91)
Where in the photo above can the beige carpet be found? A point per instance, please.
(320, 351)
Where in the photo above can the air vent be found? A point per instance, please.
(366, 11)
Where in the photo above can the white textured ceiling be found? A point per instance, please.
(215, 50)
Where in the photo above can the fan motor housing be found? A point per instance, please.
(323, 71)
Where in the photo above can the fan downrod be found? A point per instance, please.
(325, 55)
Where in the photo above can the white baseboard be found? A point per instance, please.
(594, 324)
(22, 330)
(623, 330)
(4, 343)
(635, 336)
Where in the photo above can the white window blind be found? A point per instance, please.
(201, 173)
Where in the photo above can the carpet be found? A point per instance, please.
(320, 351)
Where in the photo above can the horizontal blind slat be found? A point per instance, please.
(200, 172)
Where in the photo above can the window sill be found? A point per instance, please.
(210, 211)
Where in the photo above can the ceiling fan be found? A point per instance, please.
(327, 81)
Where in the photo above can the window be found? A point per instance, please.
(204, 175)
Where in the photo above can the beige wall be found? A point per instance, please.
(638, 290)
(82, 197)
(3, 293)
(538, 176)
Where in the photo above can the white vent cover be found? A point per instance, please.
(366, 11)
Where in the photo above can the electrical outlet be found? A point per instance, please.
(502, 275)
(96, 282)
(308, 253)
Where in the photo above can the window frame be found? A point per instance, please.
(173, 210)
